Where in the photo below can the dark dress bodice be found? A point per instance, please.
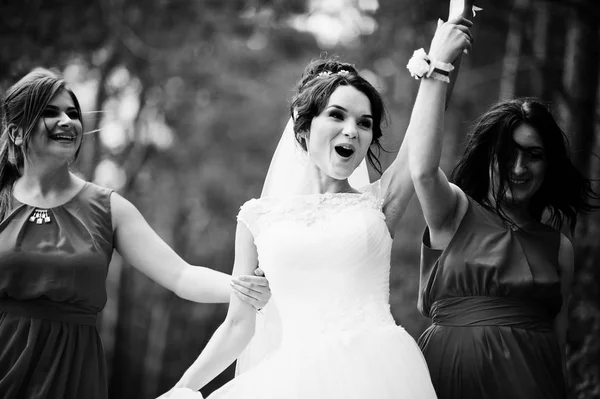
(51, 291)
(493, 294)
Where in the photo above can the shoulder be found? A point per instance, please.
(267, 205)
(123, 211)
(120, 205)
(99, 190)
(95, 195)
(251, 211)
(373, 189)
(256, 206)
(118, 202)
(94, 198)
(88, 189)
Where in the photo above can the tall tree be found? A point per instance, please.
(582, 62)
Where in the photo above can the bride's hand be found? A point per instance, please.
(254, 290)
(450, 39)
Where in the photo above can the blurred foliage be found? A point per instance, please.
(208, 84)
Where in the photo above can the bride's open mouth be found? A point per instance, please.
(344, 150)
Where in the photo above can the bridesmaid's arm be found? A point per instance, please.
(142, 248)
(235, 333)
(566, 263)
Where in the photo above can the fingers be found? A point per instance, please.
(466, 31)
(468, 42)
(259, 272)
(451, 39)
(467, 48)
(248, 299)
(460, 24)
(252, 280)
(257, 301)
(253, 290)
(461, 21)
(248, 288)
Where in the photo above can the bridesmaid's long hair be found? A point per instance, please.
(22, 107)
(564, 192)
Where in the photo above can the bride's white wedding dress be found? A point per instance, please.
(327, 257)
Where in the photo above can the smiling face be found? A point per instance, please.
(341, 134)
(527, 167)
(58, 132)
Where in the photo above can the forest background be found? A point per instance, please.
(185, 101)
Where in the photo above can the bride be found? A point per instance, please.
(325, 247)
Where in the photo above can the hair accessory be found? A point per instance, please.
(341, 72)
(421, 66)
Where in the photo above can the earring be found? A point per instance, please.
(12, 145)
(12, 154)
(304, 136)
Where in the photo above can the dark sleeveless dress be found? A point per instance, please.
(52, 287)
(492, 295)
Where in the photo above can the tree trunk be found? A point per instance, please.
(581, 87)
(541, 50)
(512, 54)
(551, 24)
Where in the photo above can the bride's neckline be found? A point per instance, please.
(350, 191)
(327, 195)
(338, 193)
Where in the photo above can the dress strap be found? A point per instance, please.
(375, 190)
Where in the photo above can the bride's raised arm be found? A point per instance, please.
(436, 195)
(230, 339)
(450, 39)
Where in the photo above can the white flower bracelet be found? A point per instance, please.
(421, 66)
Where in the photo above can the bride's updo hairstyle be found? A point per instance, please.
(320, 79)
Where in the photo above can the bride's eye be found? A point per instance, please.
(365, 124)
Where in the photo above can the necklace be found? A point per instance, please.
(40, 216)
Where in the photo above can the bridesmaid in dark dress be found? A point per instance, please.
(57, 234)
(495, 279)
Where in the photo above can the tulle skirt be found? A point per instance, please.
(383, 362)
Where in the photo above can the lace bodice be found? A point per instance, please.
(327, 257)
